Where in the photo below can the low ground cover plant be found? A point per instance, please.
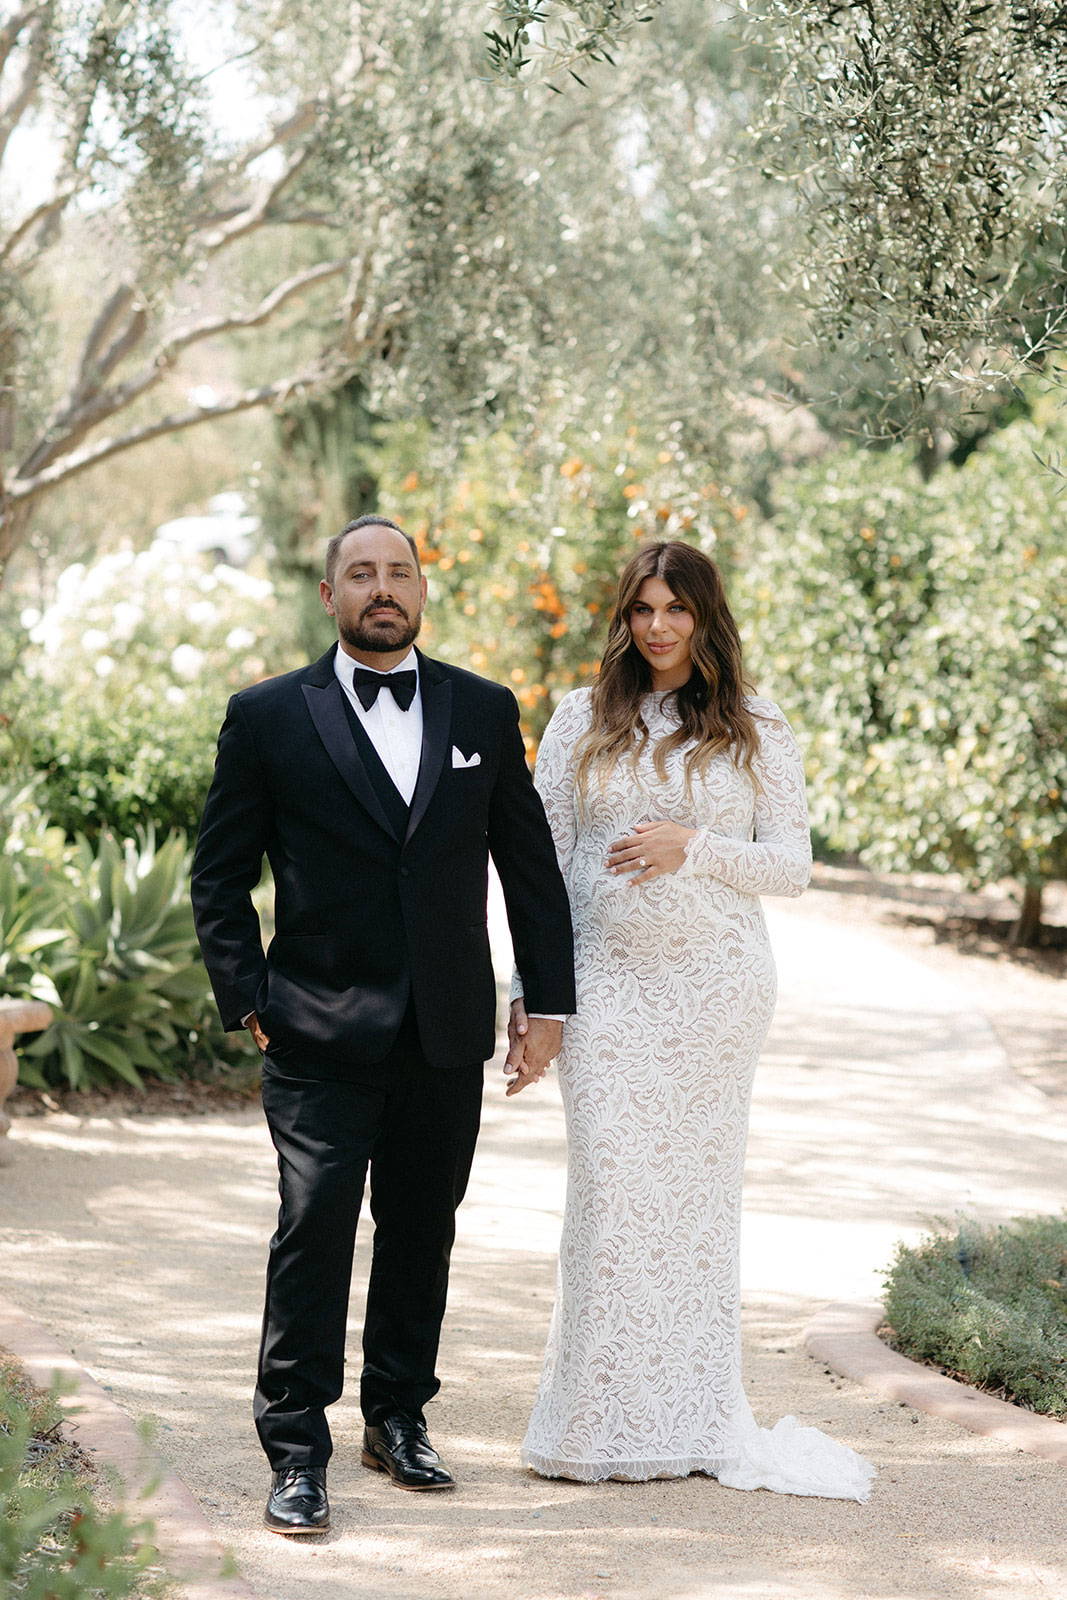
(57, 1540)
(989, 1305)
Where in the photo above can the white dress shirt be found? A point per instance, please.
(396, 735)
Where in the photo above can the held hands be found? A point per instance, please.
(651, 851)
(532, 1043)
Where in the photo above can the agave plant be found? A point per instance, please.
(27, 912)
(125, 978)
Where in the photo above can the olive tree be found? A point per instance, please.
(385, 216)
(924, 147)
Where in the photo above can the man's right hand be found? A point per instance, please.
(533, 1043)
(252, 1024)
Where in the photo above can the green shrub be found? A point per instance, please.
(124, 682)
(989, 1304)
(56, 1543)
(914, 631)
(121, 766)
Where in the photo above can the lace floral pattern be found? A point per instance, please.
(676, 988)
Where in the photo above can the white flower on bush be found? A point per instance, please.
(29, 617)
(70, 580)
(187, 661)
(174, 695)
(104, 666)
(125, 617)
(243, 583)
(161, 618)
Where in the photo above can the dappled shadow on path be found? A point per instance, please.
(141, 1243)
(871, 1115)
(146, 1245)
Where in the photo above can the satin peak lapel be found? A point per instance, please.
(328, 714)
(436, 740)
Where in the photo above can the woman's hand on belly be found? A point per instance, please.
(651, 851)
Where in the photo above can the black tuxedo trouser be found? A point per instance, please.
(415, 1127)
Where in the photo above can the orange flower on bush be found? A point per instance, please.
(571, 468)
(546, 596)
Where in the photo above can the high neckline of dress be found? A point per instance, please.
(656, 699)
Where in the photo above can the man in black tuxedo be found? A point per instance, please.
(377, 782)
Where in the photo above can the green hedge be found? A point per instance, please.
(914, 633)
(988, 1304)
(122, 767)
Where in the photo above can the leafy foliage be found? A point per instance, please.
(989, 1304)
(125, 680)
(562, 38)
(56, 1543)
(914, 630)
(446, 244)
(929, 149)
(522, 543)
(105, 935)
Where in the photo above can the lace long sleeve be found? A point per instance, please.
(554, 781)
(778, 859)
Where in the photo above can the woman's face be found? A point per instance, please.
(662, 629)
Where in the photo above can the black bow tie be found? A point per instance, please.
(367, 685)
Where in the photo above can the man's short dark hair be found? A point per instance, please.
(371, 520)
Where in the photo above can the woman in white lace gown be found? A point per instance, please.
(664, 855)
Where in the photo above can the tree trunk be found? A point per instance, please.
(1027, 931)
(14, 525)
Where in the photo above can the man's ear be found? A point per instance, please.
(326, 596)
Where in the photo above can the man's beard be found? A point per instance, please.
(381, 636)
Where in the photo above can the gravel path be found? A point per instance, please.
(884, 1100)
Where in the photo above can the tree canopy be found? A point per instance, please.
(925, 149)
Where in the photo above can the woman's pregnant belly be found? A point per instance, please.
(681, 920)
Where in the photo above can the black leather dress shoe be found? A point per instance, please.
(297, 1501)
(398, 1445)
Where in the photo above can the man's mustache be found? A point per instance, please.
(384, 605)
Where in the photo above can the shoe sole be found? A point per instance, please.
(416, 1488)
(299, 1532)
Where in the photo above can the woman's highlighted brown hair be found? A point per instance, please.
(711, 708)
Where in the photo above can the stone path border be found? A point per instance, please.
(188, 1548)
(843, 1336)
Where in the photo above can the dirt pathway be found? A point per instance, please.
(883, 1100)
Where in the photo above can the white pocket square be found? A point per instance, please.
(460, 760)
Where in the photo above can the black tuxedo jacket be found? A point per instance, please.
(375, 905)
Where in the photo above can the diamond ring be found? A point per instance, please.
(641, 862)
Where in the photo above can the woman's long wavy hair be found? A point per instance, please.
(711, 709)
